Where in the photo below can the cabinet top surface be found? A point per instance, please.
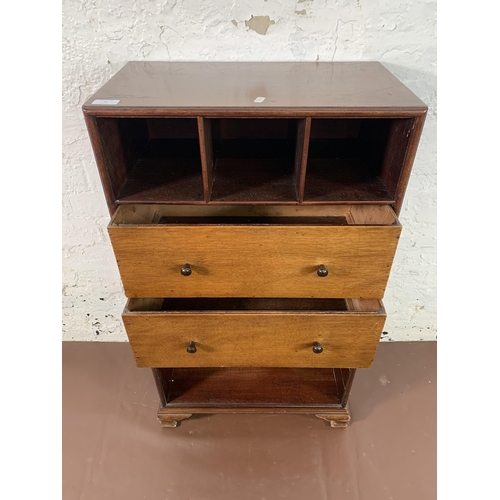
(182, 87)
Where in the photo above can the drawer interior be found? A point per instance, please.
(253, 305)
(336, 215)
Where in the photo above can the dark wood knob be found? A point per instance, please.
(186, 270)
(191, 348)
(317, 348)
(322, 271)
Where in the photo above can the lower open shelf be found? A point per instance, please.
(321, 392)
(266, 389)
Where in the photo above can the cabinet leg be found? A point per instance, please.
(337, 418)
(170, 420)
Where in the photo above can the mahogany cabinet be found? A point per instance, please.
(254, 219)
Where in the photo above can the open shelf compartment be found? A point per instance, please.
(356, 160)
(252, 159)
(151, 160)
(259, 389)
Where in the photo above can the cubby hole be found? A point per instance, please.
(355, 160)
(152, 160)
(253, 159)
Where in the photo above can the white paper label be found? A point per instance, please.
(260, 99)
(106, 101)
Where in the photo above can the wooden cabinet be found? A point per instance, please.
(254, 220)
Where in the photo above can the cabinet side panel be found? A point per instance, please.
(411, 151)
(348, 379)
(117, 144)
(157, 375)
(395, 153)
(106, 182)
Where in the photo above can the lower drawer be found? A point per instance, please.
(208, 332)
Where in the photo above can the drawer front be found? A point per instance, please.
(257, 261)
(265, 339)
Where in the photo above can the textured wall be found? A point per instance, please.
(99, 37)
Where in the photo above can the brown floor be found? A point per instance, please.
(114, 448)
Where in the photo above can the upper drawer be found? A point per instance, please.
(261, 251)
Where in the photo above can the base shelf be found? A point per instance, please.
(210, 390)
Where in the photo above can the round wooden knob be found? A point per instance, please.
(322, 271)
(186, 270)
(317, 348)
(191, 348)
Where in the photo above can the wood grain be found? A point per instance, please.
(302, 147)
(207, 155)
(254, 261)
(254, 338)
(415, 133)
(396, 146)
(97, 147)
(117, 145)
(150, 214)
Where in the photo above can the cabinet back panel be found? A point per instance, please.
(172, 128)
(253, 128)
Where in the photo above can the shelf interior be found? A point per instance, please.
(253, 387)
(345, 160)
(253, 160)
(249, 161)
(168, 169)
(154, 159)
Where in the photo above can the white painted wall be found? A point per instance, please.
(99, 37)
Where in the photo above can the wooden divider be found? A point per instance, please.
(207, 155)
(301, 151)
(298, 135)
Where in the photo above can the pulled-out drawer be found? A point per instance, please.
(261, 251)
(315, 333)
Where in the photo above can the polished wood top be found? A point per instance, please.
(289, 89)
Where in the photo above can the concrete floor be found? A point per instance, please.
(114, 448)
